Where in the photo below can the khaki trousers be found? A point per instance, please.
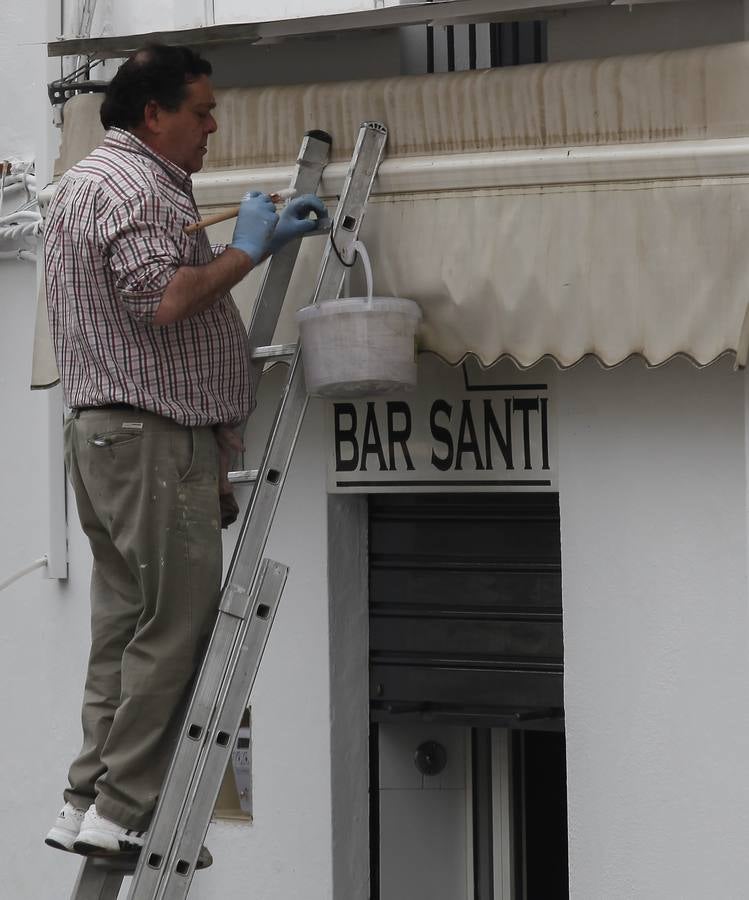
(147, 496)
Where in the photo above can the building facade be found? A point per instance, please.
(511, 657)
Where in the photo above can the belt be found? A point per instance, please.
(104, 407)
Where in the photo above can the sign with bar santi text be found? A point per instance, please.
(463, 429)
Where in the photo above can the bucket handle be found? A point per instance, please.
(358, 249)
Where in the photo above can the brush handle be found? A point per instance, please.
(212, 220)
(233, 212)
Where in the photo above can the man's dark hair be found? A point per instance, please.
(156, 72)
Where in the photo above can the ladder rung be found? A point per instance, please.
(125, 863)
(243, 476)
(274, 351)
(101, 878)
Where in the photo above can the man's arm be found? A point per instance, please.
(258, 232)
(195, 288)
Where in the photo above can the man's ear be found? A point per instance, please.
(152, 117)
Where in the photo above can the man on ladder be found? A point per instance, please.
(153, 360)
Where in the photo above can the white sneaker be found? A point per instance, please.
(100, 835)
(64, 832)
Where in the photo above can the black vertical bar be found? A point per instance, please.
(515, 43)
(483, 813)
(495, 44)
(538, 42)
(430, 49)
(472, 46)
(450, 48)
(374, 811)
(518, 813)
(544, 31)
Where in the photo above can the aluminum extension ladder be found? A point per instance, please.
(253, 586)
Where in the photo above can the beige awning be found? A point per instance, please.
(596, 207)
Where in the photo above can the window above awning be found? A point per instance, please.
(563, 210)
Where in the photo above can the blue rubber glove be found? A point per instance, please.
(255, 226)
(294, 220)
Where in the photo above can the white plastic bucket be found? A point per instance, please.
(359, 346)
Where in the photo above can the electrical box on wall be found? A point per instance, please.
(241, 760)
(235, 797)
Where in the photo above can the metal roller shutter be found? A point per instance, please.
(465, 608)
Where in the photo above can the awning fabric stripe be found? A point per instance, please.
(612, 266)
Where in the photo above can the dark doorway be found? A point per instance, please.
(540, 816)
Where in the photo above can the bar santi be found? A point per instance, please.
(474, 434)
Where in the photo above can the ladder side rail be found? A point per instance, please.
(311, 161)
(313, 156)
(267, 491)
(97, 882)
(357, 186)
(180, 867)
(191, 742)
(368, 152)
(208, 696)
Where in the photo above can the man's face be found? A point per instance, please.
(182, 136)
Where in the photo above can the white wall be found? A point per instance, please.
(25, 71)
(654, 548)
(140, 16)
(242, 11)
(653, 523)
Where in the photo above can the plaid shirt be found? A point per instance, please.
(113, 240)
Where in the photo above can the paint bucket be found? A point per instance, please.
(359, 346)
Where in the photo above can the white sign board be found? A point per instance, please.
(464, 429)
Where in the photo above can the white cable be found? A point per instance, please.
(25, 224)
(26, 171)
(16, 181)
(20, 174)
(37, 564)
(21, 215)
(22, 231)
(22, 254)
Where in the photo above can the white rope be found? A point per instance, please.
(21, 215)
(24, 225)
(37, 564)
(21, 231)
(19, 176)
(30, 229)
(28, 255)
(12, 182)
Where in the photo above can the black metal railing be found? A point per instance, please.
(485, 45)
